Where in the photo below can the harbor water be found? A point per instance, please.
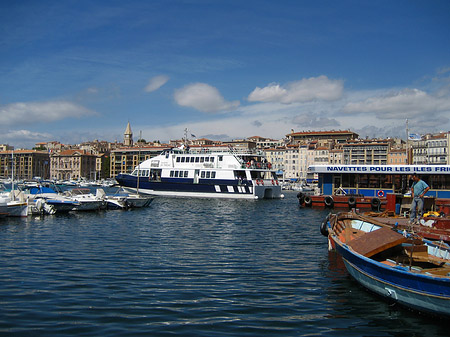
(187, 267)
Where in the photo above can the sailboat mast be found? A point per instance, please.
(12, 174)
(139, 162)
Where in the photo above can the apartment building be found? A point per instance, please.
(276, 156)
(366, 152)
(334, 136)
(266, 143)
(24, 164)
(336, 156)
(432, 149)
(291, 162)
(397, 157)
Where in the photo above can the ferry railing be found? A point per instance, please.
(257, 166)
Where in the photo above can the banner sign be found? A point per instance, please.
(386, 169)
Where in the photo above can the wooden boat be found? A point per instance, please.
(402, 268)
(431, 227)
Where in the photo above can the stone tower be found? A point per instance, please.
(128, 136)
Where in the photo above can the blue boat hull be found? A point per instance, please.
(203, 188)
(421, 292)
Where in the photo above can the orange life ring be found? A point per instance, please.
(380, 194)
(262, 182)
(248, 164)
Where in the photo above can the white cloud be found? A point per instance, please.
(407, 103)
(203, 97)
(309, 121)
(305, 90)
(25, 135)
(156, 82)
(271, 93)
(40, 112)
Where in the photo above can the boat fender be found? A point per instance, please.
(324, 226)
(308, 201)
(375, 204)
(329, 202)
(352, 202)
(301, 198)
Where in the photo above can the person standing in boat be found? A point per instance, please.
(418, 190)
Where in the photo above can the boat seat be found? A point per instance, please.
(376, 241)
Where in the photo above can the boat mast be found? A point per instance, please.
(407, 143)
(12, 175)
(139, 162)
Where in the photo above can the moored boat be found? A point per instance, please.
(87, 201)
(204, 172)
(368, 187)
(124, 200)
(13, 203)
(402, 268)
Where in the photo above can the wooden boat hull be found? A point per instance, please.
(416, 291)
(409, 271)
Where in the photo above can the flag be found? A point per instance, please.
(414, 136)
(193, 136)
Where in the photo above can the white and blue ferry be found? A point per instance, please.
(205, 172)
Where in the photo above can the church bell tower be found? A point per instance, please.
(128, 136)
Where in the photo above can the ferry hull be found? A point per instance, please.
(218, 189)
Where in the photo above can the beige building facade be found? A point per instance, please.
(74, 165)
(24, 164)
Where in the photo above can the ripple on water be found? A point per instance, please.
(187, 267)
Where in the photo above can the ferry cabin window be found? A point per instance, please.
(186, 174)
(220, 158)
(178, 159)
(183, 159)
(239, 175)
(197, 159)
(202, 159)
(176, 174)
(171, 173)
(211, 159)
(208, 174)
(155, 175)
(438, 182)
(256, 175)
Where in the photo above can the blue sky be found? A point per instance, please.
(73, 71)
